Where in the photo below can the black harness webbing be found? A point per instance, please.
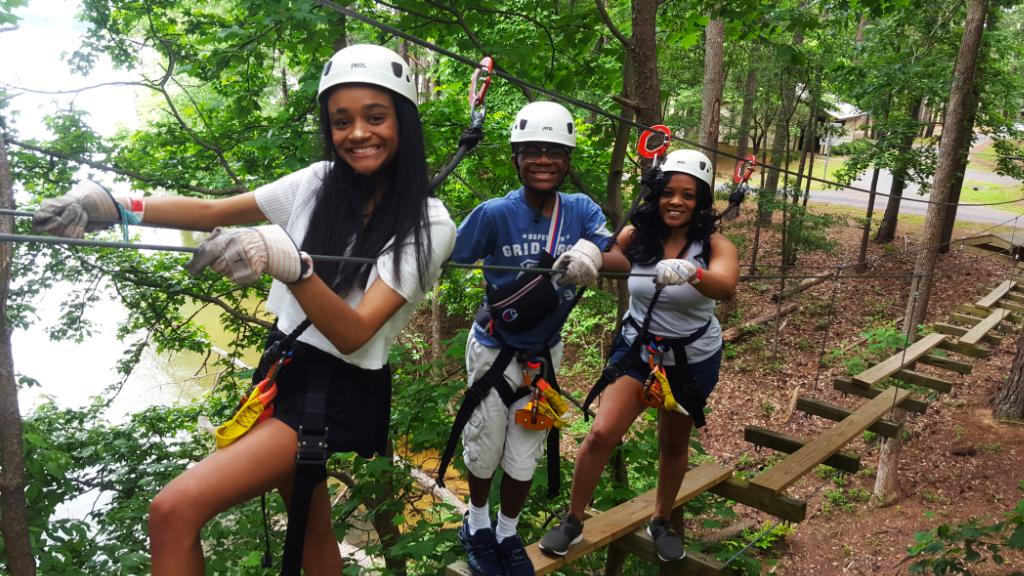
(310, 466)
(681, 381)
(494, 378)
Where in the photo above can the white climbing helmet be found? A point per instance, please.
(544, 122)
(690, 162)
(370, 64)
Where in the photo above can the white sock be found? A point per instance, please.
(479, 518)
(506, 527)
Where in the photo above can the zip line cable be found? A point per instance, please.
(81, 242)
(129, 245)
(602, 112)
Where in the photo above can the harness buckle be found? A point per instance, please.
(312, 447)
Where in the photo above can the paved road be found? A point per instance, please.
(985, 214)
(860, 199)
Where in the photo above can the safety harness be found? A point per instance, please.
(312, 449)
(501, 313)
(683, 391)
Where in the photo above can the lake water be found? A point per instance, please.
(71, 373)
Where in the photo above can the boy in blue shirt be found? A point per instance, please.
(529, 227)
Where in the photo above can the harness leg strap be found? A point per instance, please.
(474, 395)
(310, 467)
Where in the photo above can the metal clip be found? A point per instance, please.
(312, 447)
(477, 109)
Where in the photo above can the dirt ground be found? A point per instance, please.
(766, 370)
(957, 463)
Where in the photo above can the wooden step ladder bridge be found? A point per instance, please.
(968, 329)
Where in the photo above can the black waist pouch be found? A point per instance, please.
(525, 302)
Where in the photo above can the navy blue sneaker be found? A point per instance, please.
(513, 557)
(481, 550)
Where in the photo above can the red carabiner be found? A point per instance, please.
(646, 152)
(476, 97)
(744, 169)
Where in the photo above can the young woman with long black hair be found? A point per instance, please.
(369, 198)
(671, 326)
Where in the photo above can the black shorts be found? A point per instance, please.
(358, 399)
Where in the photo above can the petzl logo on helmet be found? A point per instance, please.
(509, 315)
(357, 65)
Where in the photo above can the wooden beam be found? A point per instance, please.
(973, 310)
(926, 380)
(1011, 306)
(789, 444)
(778, 505)
(899, 360)
(796, 465)
(640, 544)
(946, 363)
(958, 331)
(886, 428)
(736, 332)
(996, 294)
(964, 319)
(967, 349)
(850, 387)
(602, 529)
(974, 335)
(1014, 296)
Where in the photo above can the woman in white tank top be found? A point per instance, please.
(673, 235)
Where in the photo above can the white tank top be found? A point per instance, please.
(679, 312)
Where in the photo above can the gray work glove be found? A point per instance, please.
(674, 272)
(580, 263)
(86, 208)
(245, 254)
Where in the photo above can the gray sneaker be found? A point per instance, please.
(567, 532)
(667, 541)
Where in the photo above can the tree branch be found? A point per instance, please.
(130, 174)
(626, 42)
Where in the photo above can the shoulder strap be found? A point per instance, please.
(654, 300)
(555, 228)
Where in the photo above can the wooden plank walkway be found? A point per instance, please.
(796, 465)
(996, 294)
(975, 334)
(603, 528)
(900, 360)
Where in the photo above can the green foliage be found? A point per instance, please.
(858, 146)
(7, 10)
(882, 342)
(967, 546)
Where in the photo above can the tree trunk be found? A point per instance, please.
(787, 98)
(620, 477)
(614, 185)
(646, 85)
(436, 345)
(14, 528)
(747, 116)
(714, 83)
(1008, 401)
(384, 522)
(887, 479)
(959, 96)
(886, 484)
(967, 134)
(622, 135)
(862, 258)
(887, 229)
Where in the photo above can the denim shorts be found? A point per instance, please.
(704, 373)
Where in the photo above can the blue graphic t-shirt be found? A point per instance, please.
(508, 232)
